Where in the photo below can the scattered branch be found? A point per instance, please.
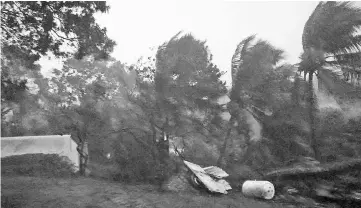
(65, 38)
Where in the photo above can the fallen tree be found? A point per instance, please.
(321, 170)
(338, 182)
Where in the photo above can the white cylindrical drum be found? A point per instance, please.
(260, 189)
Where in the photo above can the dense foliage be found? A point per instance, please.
(32, 29)
(130, 116)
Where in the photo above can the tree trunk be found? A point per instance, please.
(83, 159)
(163, 143)
(222, 153)
(304, 76)
(154, 134)
(249, 149)
(312, 109)
(163, 148)
(295, 93)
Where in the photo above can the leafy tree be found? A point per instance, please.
(181, 99)
(184, 68)
(330, 38)
(19, 96)
(186, 82)
(80, 100)
(31, 29)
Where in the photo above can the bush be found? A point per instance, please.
(331, 120)
(51, 165)
(103, 171)
(142, 169)
(137, 164)
(338, 136)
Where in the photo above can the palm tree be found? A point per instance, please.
(330, 39)
(251, 65)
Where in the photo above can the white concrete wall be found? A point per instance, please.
(49, 144)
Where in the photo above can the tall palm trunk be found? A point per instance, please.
(312, 111)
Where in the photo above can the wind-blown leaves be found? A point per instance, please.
(332, 27)
(240, 52)
(330, 32)
(328, 19)
(184, 72)
(331, 37)
(252, 66)
(259, 86)
(335, 84)
(38, 27)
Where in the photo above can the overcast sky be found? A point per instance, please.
(137, 25)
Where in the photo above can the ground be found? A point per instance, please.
(37, 192)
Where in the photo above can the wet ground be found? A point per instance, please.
(36, 192)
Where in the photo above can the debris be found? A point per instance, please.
(225, 183)
(212, 184)
(291, 190)
(215, 172)
(260, 189)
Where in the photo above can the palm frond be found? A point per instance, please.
(349, 58)
(170, 40)
(175, 36)
(333, 80)
(241, 50)
(309, 29)
(349, 62)
(332, 27)
(345, 44)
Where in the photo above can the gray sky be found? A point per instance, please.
(140, 24)
(137, 25)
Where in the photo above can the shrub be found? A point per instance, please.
(137, 164)
(103, 171)
(51, 165)
(331, 120)
(338, 136)
(13, 200)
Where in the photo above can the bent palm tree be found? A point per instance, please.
(251, 65)
(331, 32)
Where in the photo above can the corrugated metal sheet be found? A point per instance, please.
(215, 172)
(213, 185)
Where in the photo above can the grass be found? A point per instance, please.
(76, 192)
(40, 180)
